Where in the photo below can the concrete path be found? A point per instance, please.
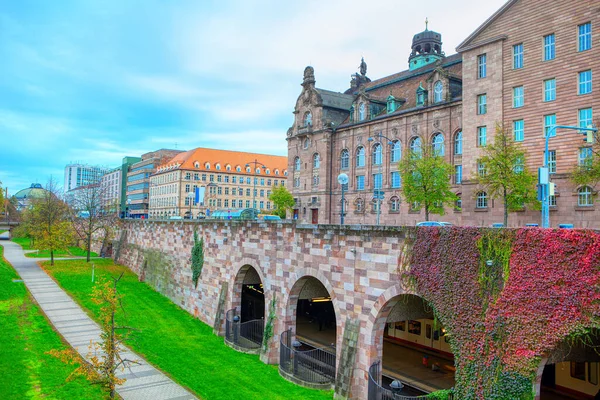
(144, 382)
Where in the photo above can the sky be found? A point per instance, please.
(94, 81)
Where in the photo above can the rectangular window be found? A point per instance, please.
(584, 158)
(549, 47)
(585, 82)
(458, 174)
(552, 161)
(247, 203)
(552, 200)
(481, 136)
(481, 66)
(377, 181)
(585, 117)
(518, 96)
(481, 104)
(219, 177)
(414, 327)
(481, 171)
(395, 179)
(519, 130)
(585, 36)
(187, 188)
(226, 203)
(233, 179)
(549, 121)
(360, 182)
(226, 178)
(518, 56)
(550, 90)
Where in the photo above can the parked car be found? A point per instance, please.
(177, 217)
(446, 223)
(497, 225)
(271, 218)
(429, 223)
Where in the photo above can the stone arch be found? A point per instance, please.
(237, 280)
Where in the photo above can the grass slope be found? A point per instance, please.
(180, 345)
(27, 371)
(72, 251)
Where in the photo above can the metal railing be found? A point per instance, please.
(247, 335)
(312, 366)
(378, 392)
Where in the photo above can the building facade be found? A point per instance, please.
(232, 180)
(537, 67)
(364, 133)
(77, 175)
(138, 181)
(523, 69)
(110, 186)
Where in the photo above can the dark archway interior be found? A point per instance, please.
(253, 298)
(315, 316)
(573, 369)
(416, 350)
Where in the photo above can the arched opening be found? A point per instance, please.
(308, 346)
(572, 370)
(411, 347)
(244, 322)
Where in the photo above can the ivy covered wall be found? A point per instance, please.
(507, 298)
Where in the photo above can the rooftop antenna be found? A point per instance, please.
(426, 23)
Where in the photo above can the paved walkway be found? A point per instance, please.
(144, 382)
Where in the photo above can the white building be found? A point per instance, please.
(111, 184)
(77, 175)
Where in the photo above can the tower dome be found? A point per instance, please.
(426, 48)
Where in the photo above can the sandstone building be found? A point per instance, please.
(232, 181)
(523, 68)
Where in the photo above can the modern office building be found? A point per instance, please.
(232, 180)
(82, 175)
(138, 181)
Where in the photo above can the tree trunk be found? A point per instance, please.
(52, 257)
(89, 247)
(505, 209)
(426, 212)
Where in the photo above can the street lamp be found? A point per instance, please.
(190, 196)
(255, 163)
(378, 194)
(343, 180)
(543, 173)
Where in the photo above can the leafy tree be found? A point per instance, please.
(588, 173)
(105, 358)
(426, 181)
(197, 258)
(47, 221)
(92, 214)
(506, 175)
(282, 200)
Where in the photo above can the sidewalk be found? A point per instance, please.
(144, 382)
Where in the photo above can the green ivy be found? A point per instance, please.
(495, 249)
(440, 394)
(268, 333)
(197, 258)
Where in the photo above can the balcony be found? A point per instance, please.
(305, 365)
(305, 130)
(246, 336)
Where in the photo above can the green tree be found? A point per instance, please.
(197, 258)
(47, 221)
(426, 181)
(506, 175)
(587, 172)
(282, 200)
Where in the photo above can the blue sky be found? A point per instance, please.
(93, 81)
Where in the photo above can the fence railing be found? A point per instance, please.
(378, 392)
(247, 335)
(311, 365)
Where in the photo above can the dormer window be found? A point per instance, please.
(391, 104)
(362, 112)
(218, 167)
(207, 166)
(238, 169)
(421, 95)
(308, 119)
(438, 92)
(197, 164)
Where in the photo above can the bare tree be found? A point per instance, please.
(92, 214)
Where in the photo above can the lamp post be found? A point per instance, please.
(255, 163)
(343, 180)
(378, 194)
(543, 173)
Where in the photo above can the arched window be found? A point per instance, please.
(228, 167)
(316, 160)
(360, 157)
(362, 112)
(306, 143)
(307, 119)
(482, 200)
(238, 169)
(207, 165)
(437, 144)
(438, 92)
(395, 151)
(584, 197)
(458, 143)
(415, 145)
(345, 159)
(297, 164)
(276, 172)
(377, 154)
(249, 170)
(268, 171)
(218, 167)
(285, 173)
(258, 170)
(395, 204)
(197, 164)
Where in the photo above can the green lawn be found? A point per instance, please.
(2, 231)
(27, 371)
(72, 251)
(174, 341)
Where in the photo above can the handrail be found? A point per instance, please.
(311, 366)
(247, 335)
